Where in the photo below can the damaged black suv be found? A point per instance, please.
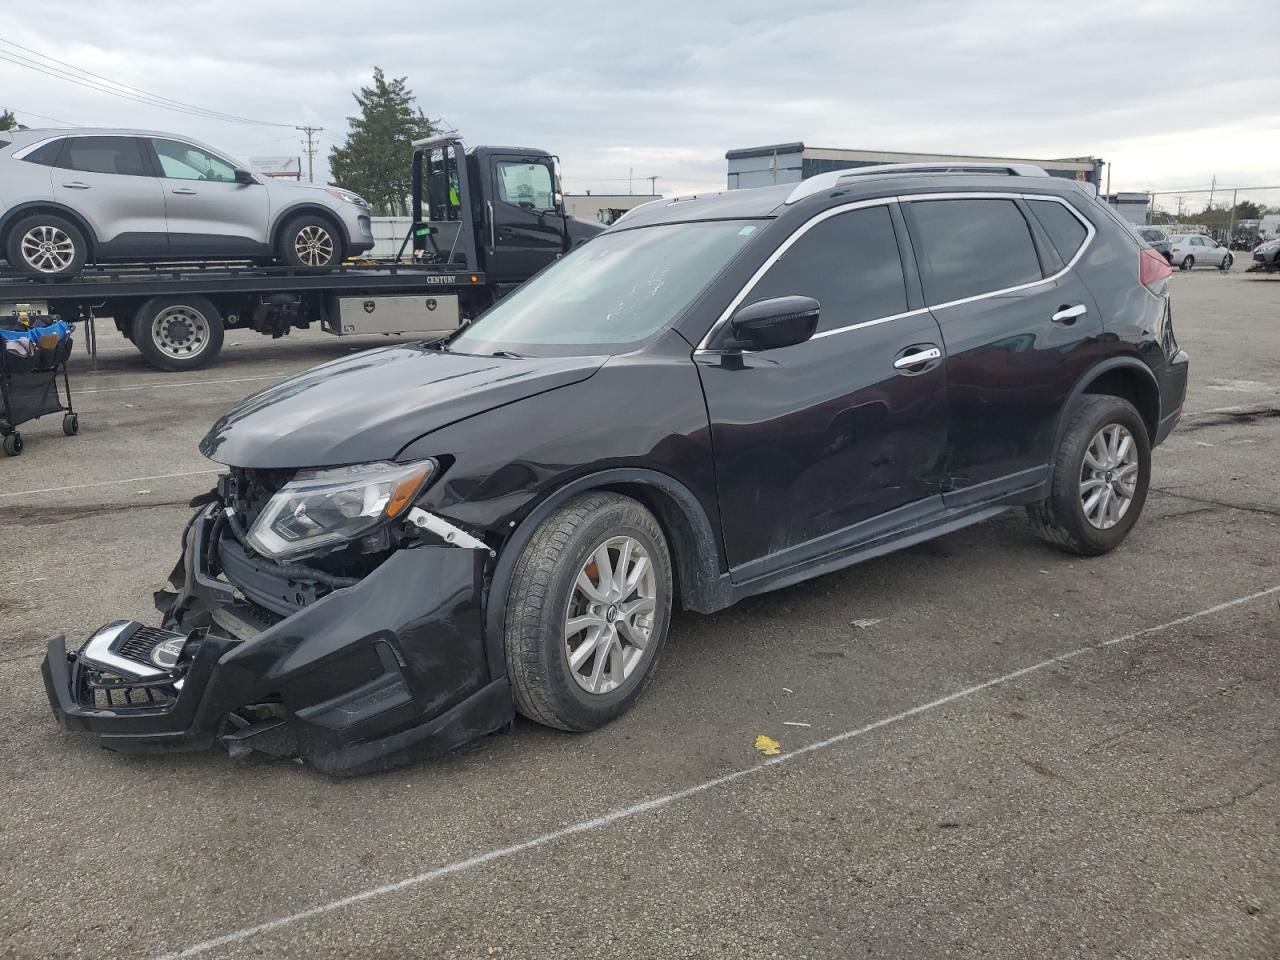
(716, 397)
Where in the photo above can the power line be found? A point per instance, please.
(29, 113)
(116, 88)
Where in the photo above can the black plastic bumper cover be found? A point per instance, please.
(386, 671)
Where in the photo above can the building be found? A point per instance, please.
(1134, 207)
(793, 162)
(603, 207)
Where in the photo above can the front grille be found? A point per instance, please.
(104, 690)
(143, 640)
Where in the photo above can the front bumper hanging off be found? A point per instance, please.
(390, 669)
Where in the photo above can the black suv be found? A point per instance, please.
(716, 397)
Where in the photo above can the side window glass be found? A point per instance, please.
(526, 185)
(182, 161)
(849, 263)
(47, 155)
(119, 155)
(1064, 228)
(973, 247)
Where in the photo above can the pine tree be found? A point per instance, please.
(7, 120)
(375, 159)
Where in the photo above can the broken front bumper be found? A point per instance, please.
(387, 670)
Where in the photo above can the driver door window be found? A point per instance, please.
(182, 161)
(526, 185)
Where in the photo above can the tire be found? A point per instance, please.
(1188, 262)
(177, 333)
(310, 241)
(544, 593)
(46, 245)
(70, 424)
(1061, 519)
(1226, 263)
(13, 444)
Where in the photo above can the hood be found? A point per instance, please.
(369, 406)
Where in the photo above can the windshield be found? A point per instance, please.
(610, 293)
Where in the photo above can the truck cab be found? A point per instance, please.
(495, 210)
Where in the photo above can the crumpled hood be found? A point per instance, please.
(369, 406)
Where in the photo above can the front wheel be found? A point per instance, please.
(1100, 478)
(1188, 262)
(1226, 263)
(310, 241)
(178, 333)
(588, 611)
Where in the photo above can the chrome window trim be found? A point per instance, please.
(702, 349)
(33, 147)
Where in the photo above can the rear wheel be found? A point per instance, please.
(178, 333)
(45, 245)
(1100, 478)
(1188, 262)
(588, 611)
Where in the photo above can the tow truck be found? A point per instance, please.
(484, 220)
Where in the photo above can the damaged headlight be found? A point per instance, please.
(321, 507)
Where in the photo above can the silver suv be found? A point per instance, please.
(71, 197)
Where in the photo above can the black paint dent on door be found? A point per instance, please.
(526, 226)
(814, 439)
(994, 284)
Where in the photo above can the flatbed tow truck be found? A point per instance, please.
(484, 220)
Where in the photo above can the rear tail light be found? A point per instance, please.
(1153, 269)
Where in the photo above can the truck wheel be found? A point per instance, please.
(588, 611)
(310, 241)
(45, 245)
(1100, 477)
(178, 333)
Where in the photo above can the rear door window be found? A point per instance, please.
(119, 155)
(849, 263)
(1064, 228)
(972, 247)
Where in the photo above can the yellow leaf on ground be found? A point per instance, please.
(768, 746)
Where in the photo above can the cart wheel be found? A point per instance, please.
(71, 424)
(13, 444)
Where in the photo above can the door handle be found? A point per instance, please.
(493, 240)
(185, 191)
(915, 359)
(1068, 315)
(76, 185)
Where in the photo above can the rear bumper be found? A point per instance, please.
(1173, 394)
(386, 671)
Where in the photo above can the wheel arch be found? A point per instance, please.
(1125, 377)
(307, 208)
(695, 555)
(49, 206)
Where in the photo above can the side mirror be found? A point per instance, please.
(780, 322)
(244, 176)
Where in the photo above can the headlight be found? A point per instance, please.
(347, 196)
(321, 507)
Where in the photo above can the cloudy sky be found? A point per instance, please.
(1172, 93)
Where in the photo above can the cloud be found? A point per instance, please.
(1172, 93)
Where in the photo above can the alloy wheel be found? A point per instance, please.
(313, 245)
(47, 249)
(180, 332)
(610, 616)
(1109, 476)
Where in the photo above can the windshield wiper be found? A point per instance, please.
(508, 355)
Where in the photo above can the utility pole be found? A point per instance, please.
(1213, 185)
(1231, 227)
(311, 150)
(653, 186)
(630, 171)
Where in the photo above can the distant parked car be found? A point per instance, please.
(1158, 239)
(1197, 250)
(1267, 255)
(71, 197)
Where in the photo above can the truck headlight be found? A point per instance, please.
(347, 196)
(321, 507)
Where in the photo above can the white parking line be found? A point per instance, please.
(177, 383)
(106, 483)
(647, 806)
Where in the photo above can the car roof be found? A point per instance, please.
(771, 201)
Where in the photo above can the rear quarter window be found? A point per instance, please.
(972, 247)
(47, 155)
(1066, 232)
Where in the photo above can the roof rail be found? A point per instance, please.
(433, 143)
(826, 181)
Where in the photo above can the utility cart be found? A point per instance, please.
(33, 354)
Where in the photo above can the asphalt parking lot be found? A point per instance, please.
(989, 748)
